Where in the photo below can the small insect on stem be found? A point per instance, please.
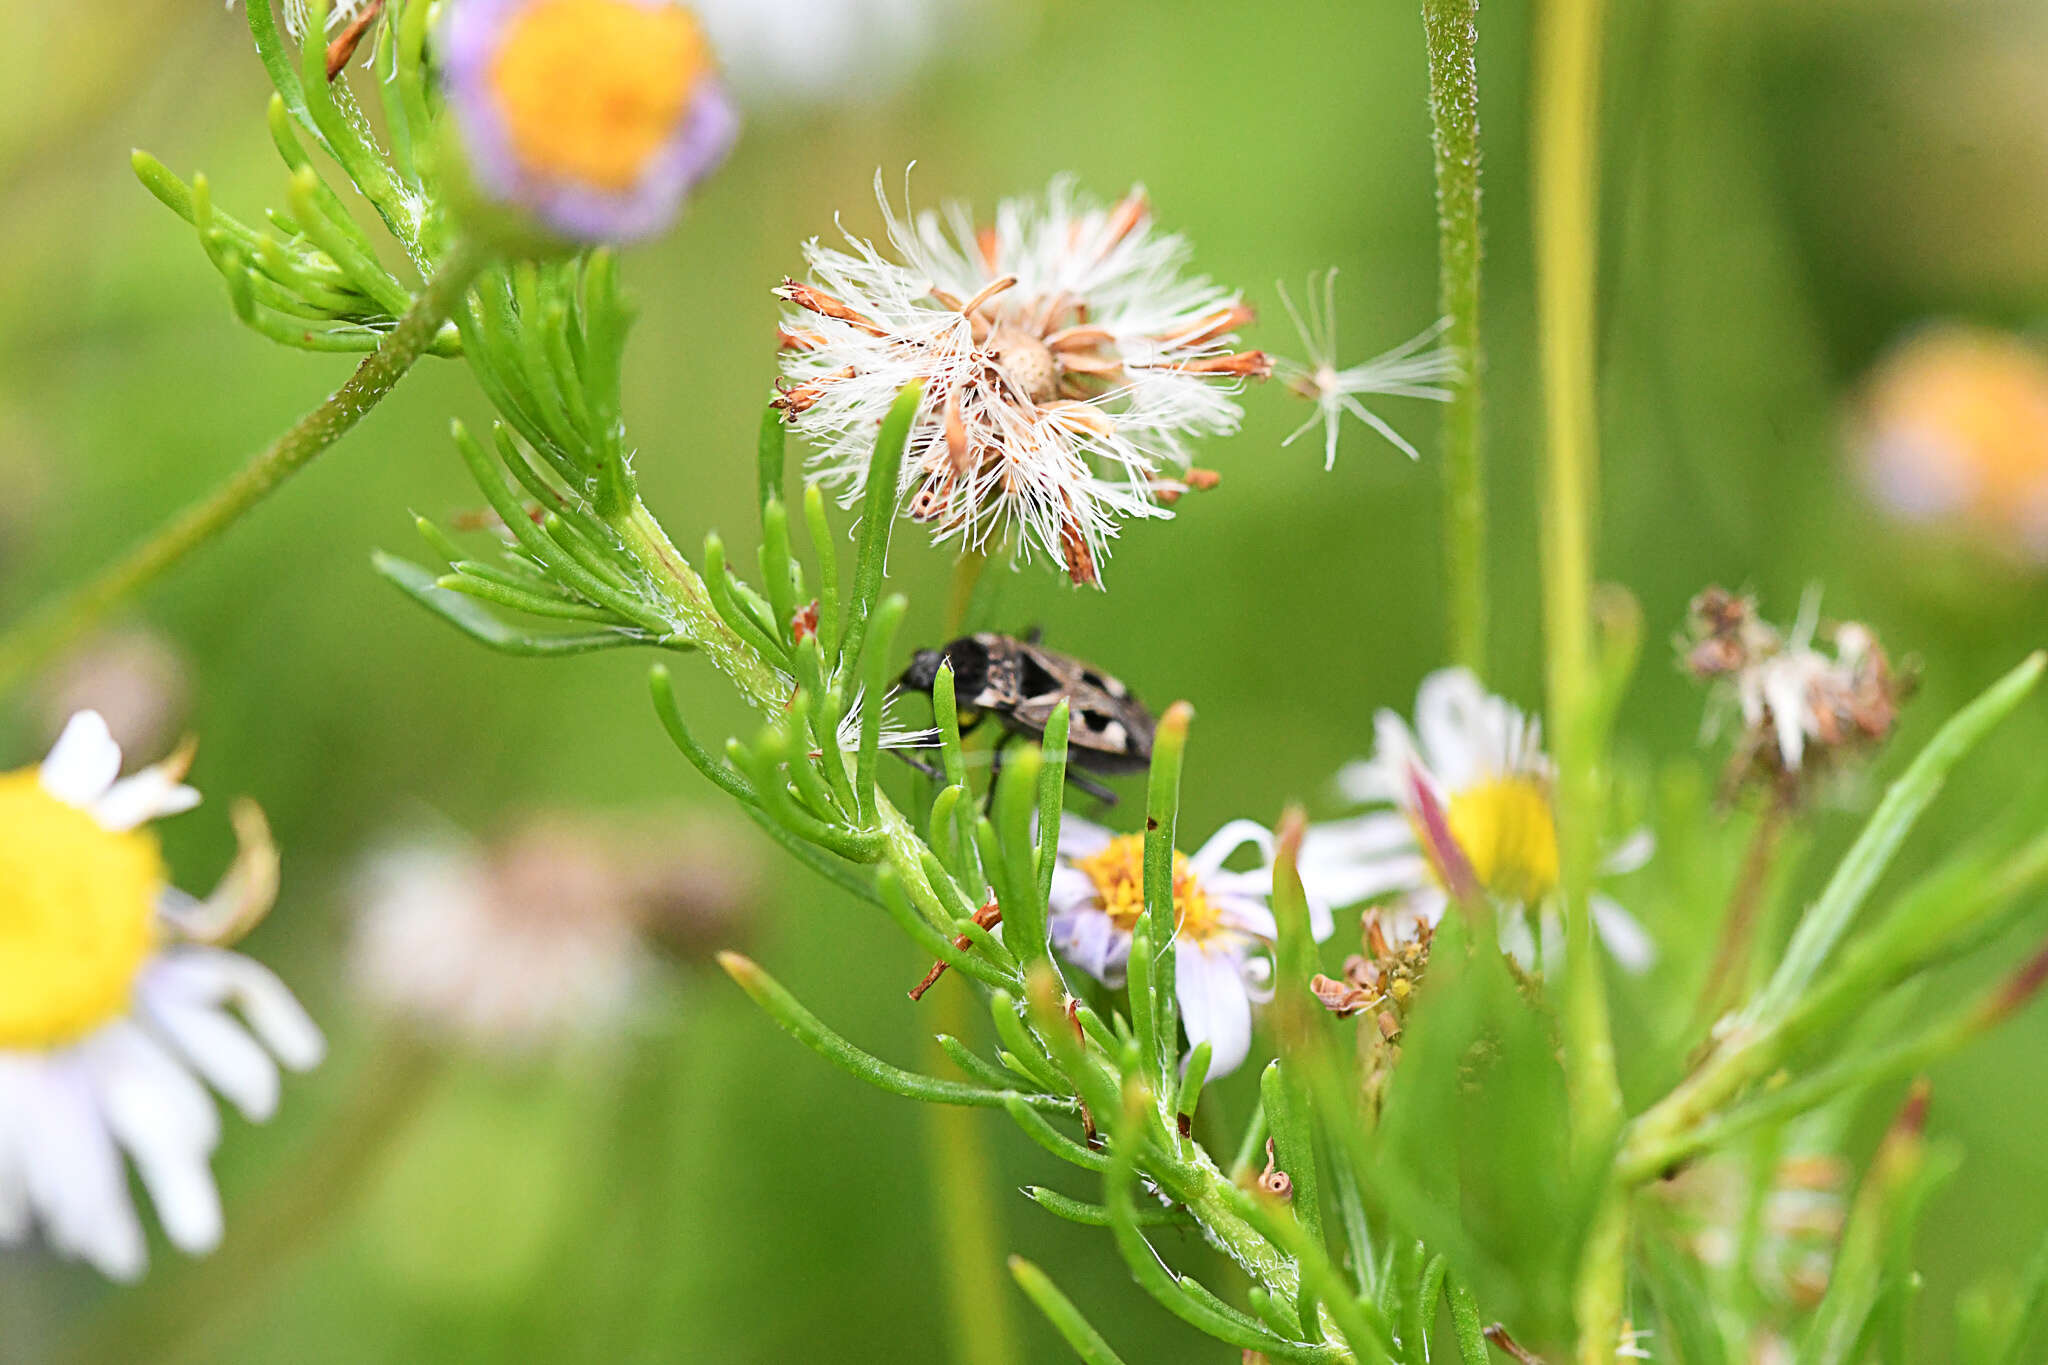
(988, 917)
(343, 48)
(1021, 683)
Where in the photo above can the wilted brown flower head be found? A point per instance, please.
(1802, 709)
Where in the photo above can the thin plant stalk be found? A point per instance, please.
(34, 639)
(978, 1299)
(1738, 926)
(1451, 33)
(1566, 161)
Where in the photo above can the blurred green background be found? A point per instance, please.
(1788, 190)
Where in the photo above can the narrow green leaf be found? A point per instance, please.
(1162, 812)
(1052, 797)
(1829, 918)
(1061, 1313)
(473, 620)
(806, 1028)
(878, 519)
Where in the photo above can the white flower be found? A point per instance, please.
(1470, 791)
(1223, 930)
(512, 949)
(1406, 371)
(809, 52)
(1066, 362)
(113, 1020)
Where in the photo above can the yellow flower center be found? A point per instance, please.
(1118, 872)
(591, 89)
(77, 915)
(1508, 833)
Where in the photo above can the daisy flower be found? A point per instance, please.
(1471, 813)
(1066, 363)
(1798, 704)
(1223, 930)
(510, 948)
(1410, 370)
(596, 116)
(116, 1007)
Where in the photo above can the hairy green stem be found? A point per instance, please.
(1451, 31)
(32, 640)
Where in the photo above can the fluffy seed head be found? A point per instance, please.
(1066, 361)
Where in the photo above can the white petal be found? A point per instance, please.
(1214, 1005)
(1247, 916)
(148, 1109)
(1082, 838)
(151, 794)
(1091, 941)
(1517, 940)
(1366, 780)
(1234, 835)
(219, 1049)
(76, 1181)
(125, 1057)
(216, 976)
(1448, 709)
(1630, 855)
(83, 763)
(1624, 936)
(14, 1112)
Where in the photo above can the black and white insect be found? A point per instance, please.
(1021, 683)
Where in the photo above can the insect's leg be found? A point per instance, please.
(1089, 785)
(995, 771)
(927, 769)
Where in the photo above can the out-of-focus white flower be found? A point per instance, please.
(807, 52)
(1471, 813)
(1414, 369)
(115, 1007)
(1223, 930)
(1791, 696)
(510, 949)
(1066, 362)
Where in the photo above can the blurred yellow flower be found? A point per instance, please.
(1952, 430)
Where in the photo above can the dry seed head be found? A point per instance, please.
(1066, 362)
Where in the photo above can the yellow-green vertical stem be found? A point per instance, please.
(1567, 90)
(979, 1307)
(1451, 31)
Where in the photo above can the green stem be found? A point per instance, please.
(978, 1303)
(1451, 31)
(32, 640)
(1566, 162)
(979, 1306)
